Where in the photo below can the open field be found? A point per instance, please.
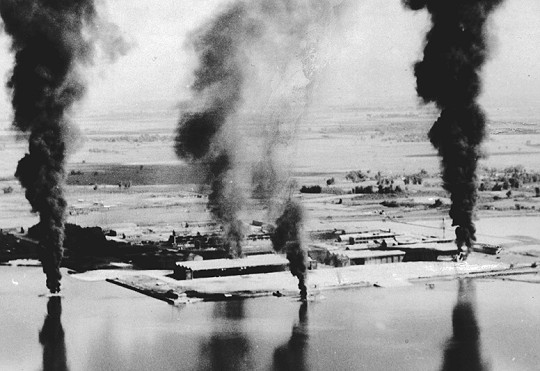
(376, 139)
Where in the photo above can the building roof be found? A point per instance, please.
(250, 261)
(367, 235)
(359, 254)
(436, 246)
(324, 246)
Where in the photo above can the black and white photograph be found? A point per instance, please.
(238, 185)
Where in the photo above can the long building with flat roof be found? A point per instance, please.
(365, 237)
(186, 270)
(363, 257)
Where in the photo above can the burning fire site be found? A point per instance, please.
(287, 185)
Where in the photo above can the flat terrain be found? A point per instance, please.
(165, 194)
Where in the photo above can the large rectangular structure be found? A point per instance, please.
(186, 270)
(365, 237)
(428, 251)
(364, 257)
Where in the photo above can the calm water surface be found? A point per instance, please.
(449, 325)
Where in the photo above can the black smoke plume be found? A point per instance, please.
(51, 337)
(463, 349)
(287, 237)
(293, 355)
(449, 75)
(50, 40)
(225, 201)
(242, 43)
(218, 85)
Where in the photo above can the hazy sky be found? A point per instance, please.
(370, 56)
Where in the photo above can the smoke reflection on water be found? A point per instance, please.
(51, 337)
(292, 355)
(228, 348)
(463, 349)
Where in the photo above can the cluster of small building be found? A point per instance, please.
(345, 249)
(385, 246)
(379, 247)
(362, 248)
(202, 255)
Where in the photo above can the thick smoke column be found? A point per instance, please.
(48, 42)
(225, 201)
(230, 49)
(455, 51)
(218, 84)
(287, 236)
(51, 39)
